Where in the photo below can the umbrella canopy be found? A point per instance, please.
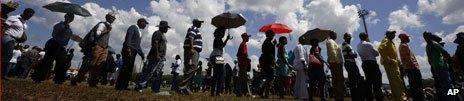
(228, 20)
(67, 8)
(317, 33)
(277, 28)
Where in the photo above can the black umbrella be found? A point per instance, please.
(317, 33)
(228, 20)
(68, 8)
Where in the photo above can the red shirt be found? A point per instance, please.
(242, 51)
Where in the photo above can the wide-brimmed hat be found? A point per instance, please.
(163, 24)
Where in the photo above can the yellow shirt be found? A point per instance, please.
(387, 52)
(333, 52)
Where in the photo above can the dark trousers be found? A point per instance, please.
(442, 82)
(175, 77)
(317, 79)
(8, 44)
(218, 79)
(279, 85)
(82, 70)
(153, 70)
(373, 80)
(355, 81)
(243, 88)
(267, 74)
(53, 52)
(128, 58)
(415, 83)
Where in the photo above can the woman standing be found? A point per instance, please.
(218, 61)
(299, 63)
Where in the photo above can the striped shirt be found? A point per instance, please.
(348, 53)
(193, 34)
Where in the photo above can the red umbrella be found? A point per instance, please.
(277, 28)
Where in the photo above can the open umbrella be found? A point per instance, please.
(277, 28)
(317, 33)
(228, 20)
(68, 8)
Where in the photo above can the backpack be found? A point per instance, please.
(89, 39)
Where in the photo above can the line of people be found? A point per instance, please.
(306, 67)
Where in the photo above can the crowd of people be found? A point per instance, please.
(299, 73)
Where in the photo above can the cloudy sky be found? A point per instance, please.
(442, 17)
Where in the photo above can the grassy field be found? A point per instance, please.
(26, 90)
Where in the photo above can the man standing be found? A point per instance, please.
(354, 77)
(14, 32)
(440, 69)
(55, 51)
(244, 65)
(411, 68)
(131, 47)
(156, 58)
(335, 65)
(192, 47)
(389, 60)
(95, 50)
(370, 67)
(267, 63)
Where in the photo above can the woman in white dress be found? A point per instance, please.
(299, 64)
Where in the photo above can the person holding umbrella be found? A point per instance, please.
(267, 62)
(55, 51)
(335, 60)
(14, 32)
(317, 76)
(156, 58)
(218, 61)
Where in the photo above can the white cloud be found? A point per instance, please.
(403, 18)
(451, 10)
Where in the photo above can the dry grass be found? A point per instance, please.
(26, 90)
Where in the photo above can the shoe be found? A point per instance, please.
(140, 91)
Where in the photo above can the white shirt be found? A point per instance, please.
(15, 27)
(101, 27)
(16, 55)
(366, 51)
(177, 69)
(299, 53)
(42, 54)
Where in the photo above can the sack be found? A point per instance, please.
(314, 62)
(89, 39)
(219, 60)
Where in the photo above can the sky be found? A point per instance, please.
(441, 17)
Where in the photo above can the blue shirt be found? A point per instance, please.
(61, 33)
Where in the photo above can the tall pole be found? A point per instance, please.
(362, 13)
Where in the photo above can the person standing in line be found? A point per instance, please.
(355, 80)
(131, 47)
(192, 47)
(267, 63)
(87, 44)
(370, 67)
(244, 64)
(299, 63)
(316, 71)
(389, 60)
(439, 68)
(283, 68)
(119, 65)
(14, 60)
(14, 32)
(335, 60)
(218, 61)
(156, 58)
(175, 73)
(411, 68)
